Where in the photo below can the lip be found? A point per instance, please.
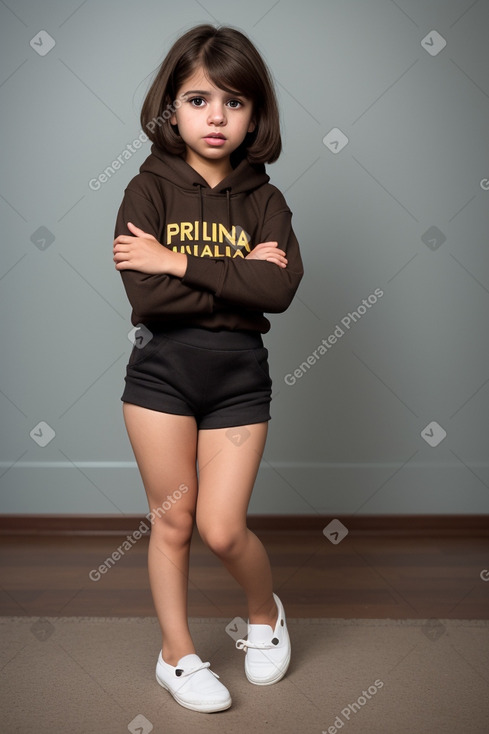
(215, 139)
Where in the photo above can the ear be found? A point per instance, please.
(251, 126)
(173, 119)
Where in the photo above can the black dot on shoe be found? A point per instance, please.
(281, 622)
(275, 641)
(178, 672)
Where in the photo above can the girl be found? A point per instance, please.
(204, 245)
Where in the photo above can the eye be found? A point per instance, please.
(197, 101)
(235, 103)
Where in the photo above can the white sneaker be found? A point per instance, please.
(267, 651)
(192, 684)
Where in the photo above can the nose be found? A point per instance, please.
(216, 114)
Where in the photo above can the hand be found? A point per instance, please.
(270, 252)
(144, 253)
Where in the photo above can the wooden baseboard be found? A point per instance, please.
(356, 524)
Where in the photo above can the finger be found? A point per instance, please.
(139, 232)
(269, 247)
(264, 245)
(277, 261)
(124, 239)
(121, 248)
(124, 251)
(123, 266)
(119, 258)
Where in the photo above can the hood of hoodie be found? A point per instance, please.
(244, 178)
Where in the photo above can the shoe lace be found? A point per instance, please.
(245, 644)
(190, 671)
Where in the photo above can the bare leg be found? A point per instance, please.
(164, 446)
(227, 473)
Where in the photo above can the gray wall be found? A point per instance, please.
(402, 207)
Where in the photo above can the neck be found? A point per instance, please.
(211, 171)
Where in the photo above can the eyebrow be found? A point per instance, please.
(208, 93)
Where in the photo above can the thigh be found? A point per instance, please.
(228, 460)
(164, 446)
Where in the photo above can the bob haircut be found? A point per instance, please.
(233, 64)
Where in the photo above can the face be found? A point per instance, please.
(212, 122)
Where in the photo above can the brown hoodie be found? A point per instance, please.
(216, 227)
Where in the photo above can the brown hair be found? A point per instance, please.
(232, 63)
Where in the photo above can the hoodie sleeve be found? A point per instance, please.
(155, 295)
(254, 284)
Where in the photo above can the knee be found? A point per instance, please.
(223, 541)
(175, 528)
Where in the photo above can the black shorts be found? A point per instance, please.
(219, 377)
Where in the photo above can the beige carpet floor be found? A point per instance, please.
(96, 675)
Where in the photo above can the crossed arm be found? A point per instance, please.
(143, 252)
